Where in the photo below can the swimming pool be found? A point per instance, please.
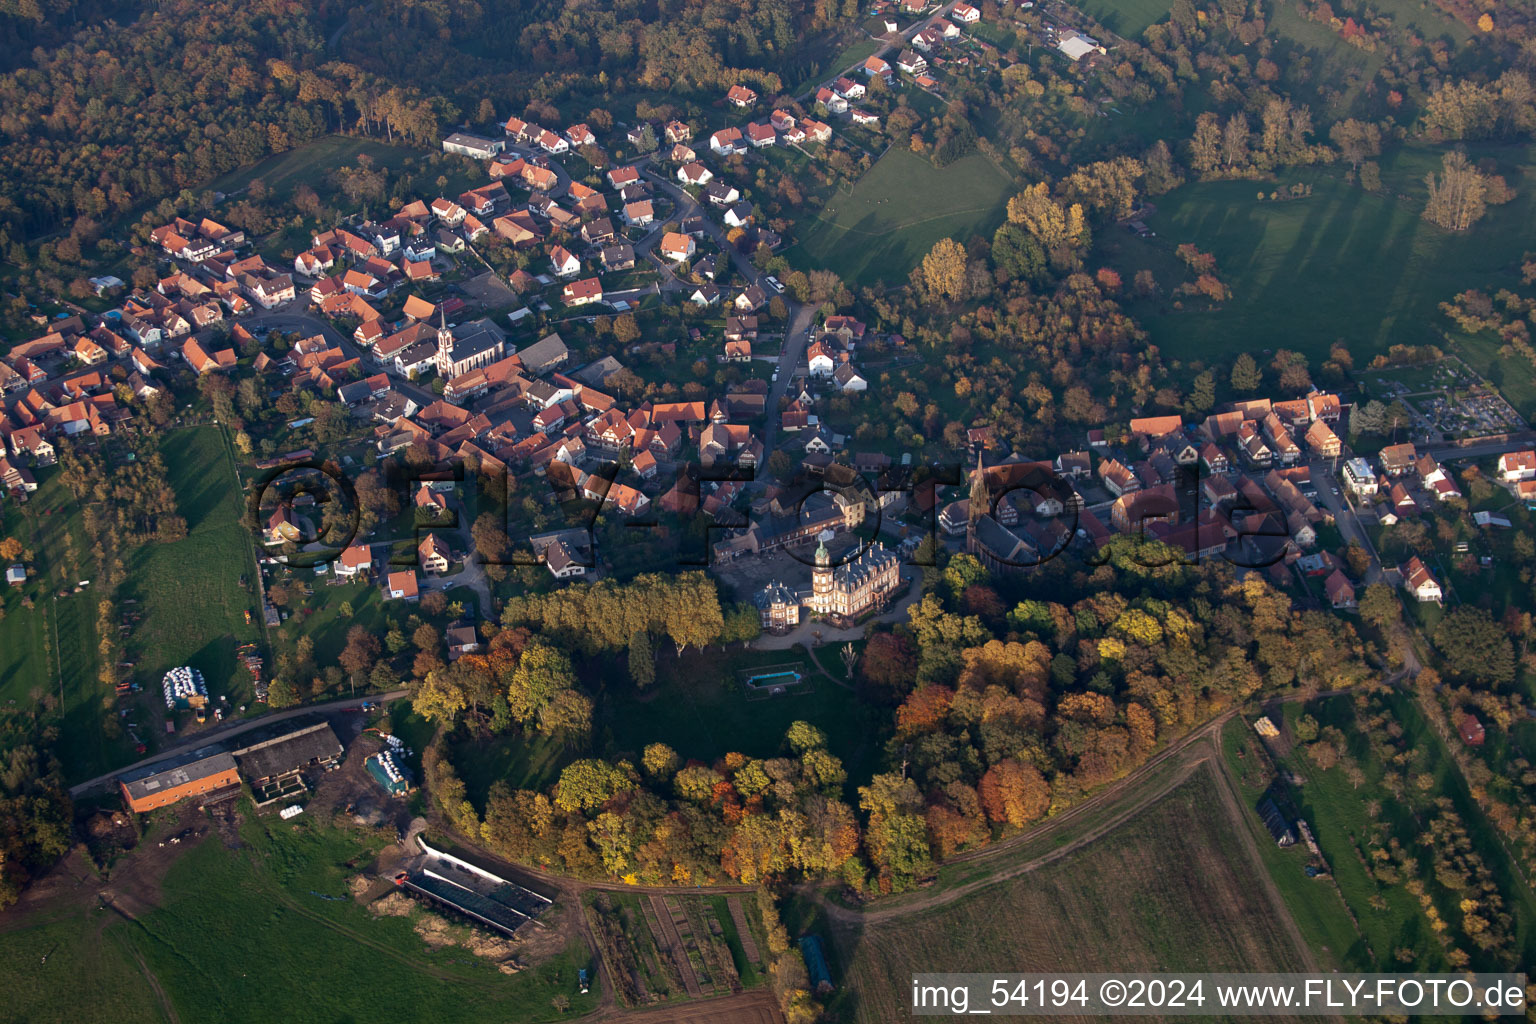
(767, 679)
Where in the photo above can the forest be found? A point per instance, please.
(249, 79)
(1000, 711)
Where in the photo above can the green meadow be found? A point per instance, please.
(1341, 264)
(893, 215)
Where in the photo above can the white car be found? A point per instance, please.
(773, 282)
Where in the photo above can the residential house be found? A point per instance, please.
(1418, 581)
(721, 193)
(563, 262)
(355, 560)
(877, 66)
(639, 214)
(1398, 459)
(727, 141)
(1517, 466)
(553, 144)
(676, 246)
(461, 640)
(1323, 441)
(402, 586)
(694, 174)
(618, 257)
(761, 135)
(833, 103)
(434, 555)
(580, 293)
(848, 379)
(741, 96)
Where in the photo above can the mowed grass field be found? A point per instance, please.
(1170, 889)
(50, 650)
(1127, 18)
(698, 707)
(244, 936)
(189, 591)
(312, 164)
(1342, 264)
(895, 213)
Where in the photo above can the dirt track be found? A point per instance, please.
(755, 1007)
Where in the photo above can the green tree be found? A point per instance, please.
(642, 662)
(1246, 376)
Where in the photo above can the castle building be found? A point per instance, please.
(839, 594)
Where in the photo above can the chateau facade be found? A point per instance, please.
(840, 594)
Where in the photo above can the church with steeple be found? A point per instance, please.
(467, 347)
(840, 594)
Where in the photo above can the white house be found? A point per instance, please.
(848, 379)
(1418, 582)
(965, 14)
(819, 361)
(727, 141)
(563, 262)
(1517, 466)
(694, 173)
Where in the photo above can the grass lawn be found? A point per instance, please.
(697, 706)
(242, 935)
(1170, 889)
(821, 60)
(312, 164)
(521, 761)
(1340, 814)
(1318, 908)
(1127, 18)
(896, 212)
(189, 591)
(321, 618)
(1304, 273)
(52, 647)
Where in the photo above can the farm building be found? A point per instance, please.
(815, 963)
(464, 144)
(160, 785)
(1278, 827)
(1471, 730)
(275, 767)
(481, 895)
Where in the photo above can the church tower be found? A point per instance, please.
(444, 346)
(821, 576)
(980, 504)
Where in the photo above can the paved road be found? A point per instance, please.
(801, 317)
(229, 730)
(885, 48)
